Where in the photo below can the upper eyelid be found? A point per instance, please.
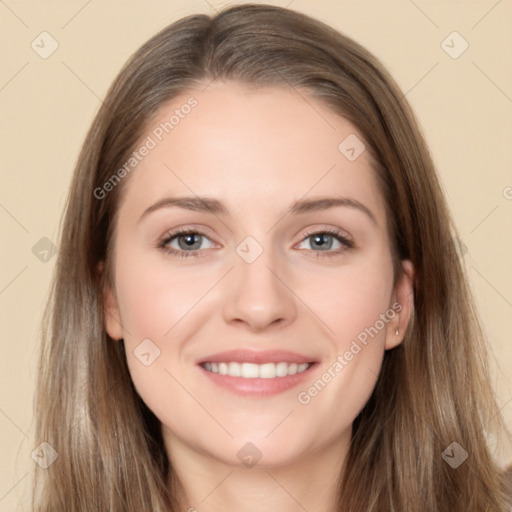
(330, 230)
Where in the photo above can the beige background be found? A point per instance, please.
(464, 106)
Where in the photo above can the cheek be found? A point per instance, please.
(353, 300)
(155, 306)
(154, 300)
(352, 308)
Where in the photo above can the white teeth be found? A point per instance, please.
(249, 370)
(302, 367)
(281, 369)
(268, 371)
(253, 371)
(234, 369)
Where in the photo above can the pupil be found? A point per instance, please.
(320, 240)
(190, 239)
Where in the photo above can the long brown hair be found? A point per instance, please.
(433, 390)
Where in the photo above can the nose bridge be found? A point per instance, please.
(258, 296)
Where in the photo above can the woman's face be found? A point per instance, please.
(274, 282)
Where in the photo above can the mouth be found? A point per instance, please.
(257, 374)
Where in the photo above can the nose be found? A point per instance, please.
(258, 295)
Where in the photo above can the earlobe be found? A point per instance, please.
(112, 315)
(403, 305)
(113, 324)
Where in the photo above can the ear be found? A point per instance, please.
(403, 306)
(113, 324)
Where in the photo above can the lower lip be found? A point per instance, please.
(258, 387)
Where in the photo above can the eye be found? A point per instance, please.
(187, 242)
(322, 242)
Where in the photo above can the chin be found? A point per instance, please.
(262, 453)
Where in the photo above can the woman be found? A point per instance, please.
(321, 351)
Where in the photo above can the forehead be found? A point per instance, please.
(243, 145)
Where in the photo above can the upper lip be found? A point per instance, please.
(256, 357)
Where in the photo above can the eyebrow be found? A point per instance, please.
(214, 206)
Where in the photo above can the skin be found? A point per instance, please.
(257, 151)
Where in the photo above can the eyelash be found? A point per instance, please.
(162, 245)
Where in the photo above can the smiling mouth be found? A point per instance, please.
(255, 371)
